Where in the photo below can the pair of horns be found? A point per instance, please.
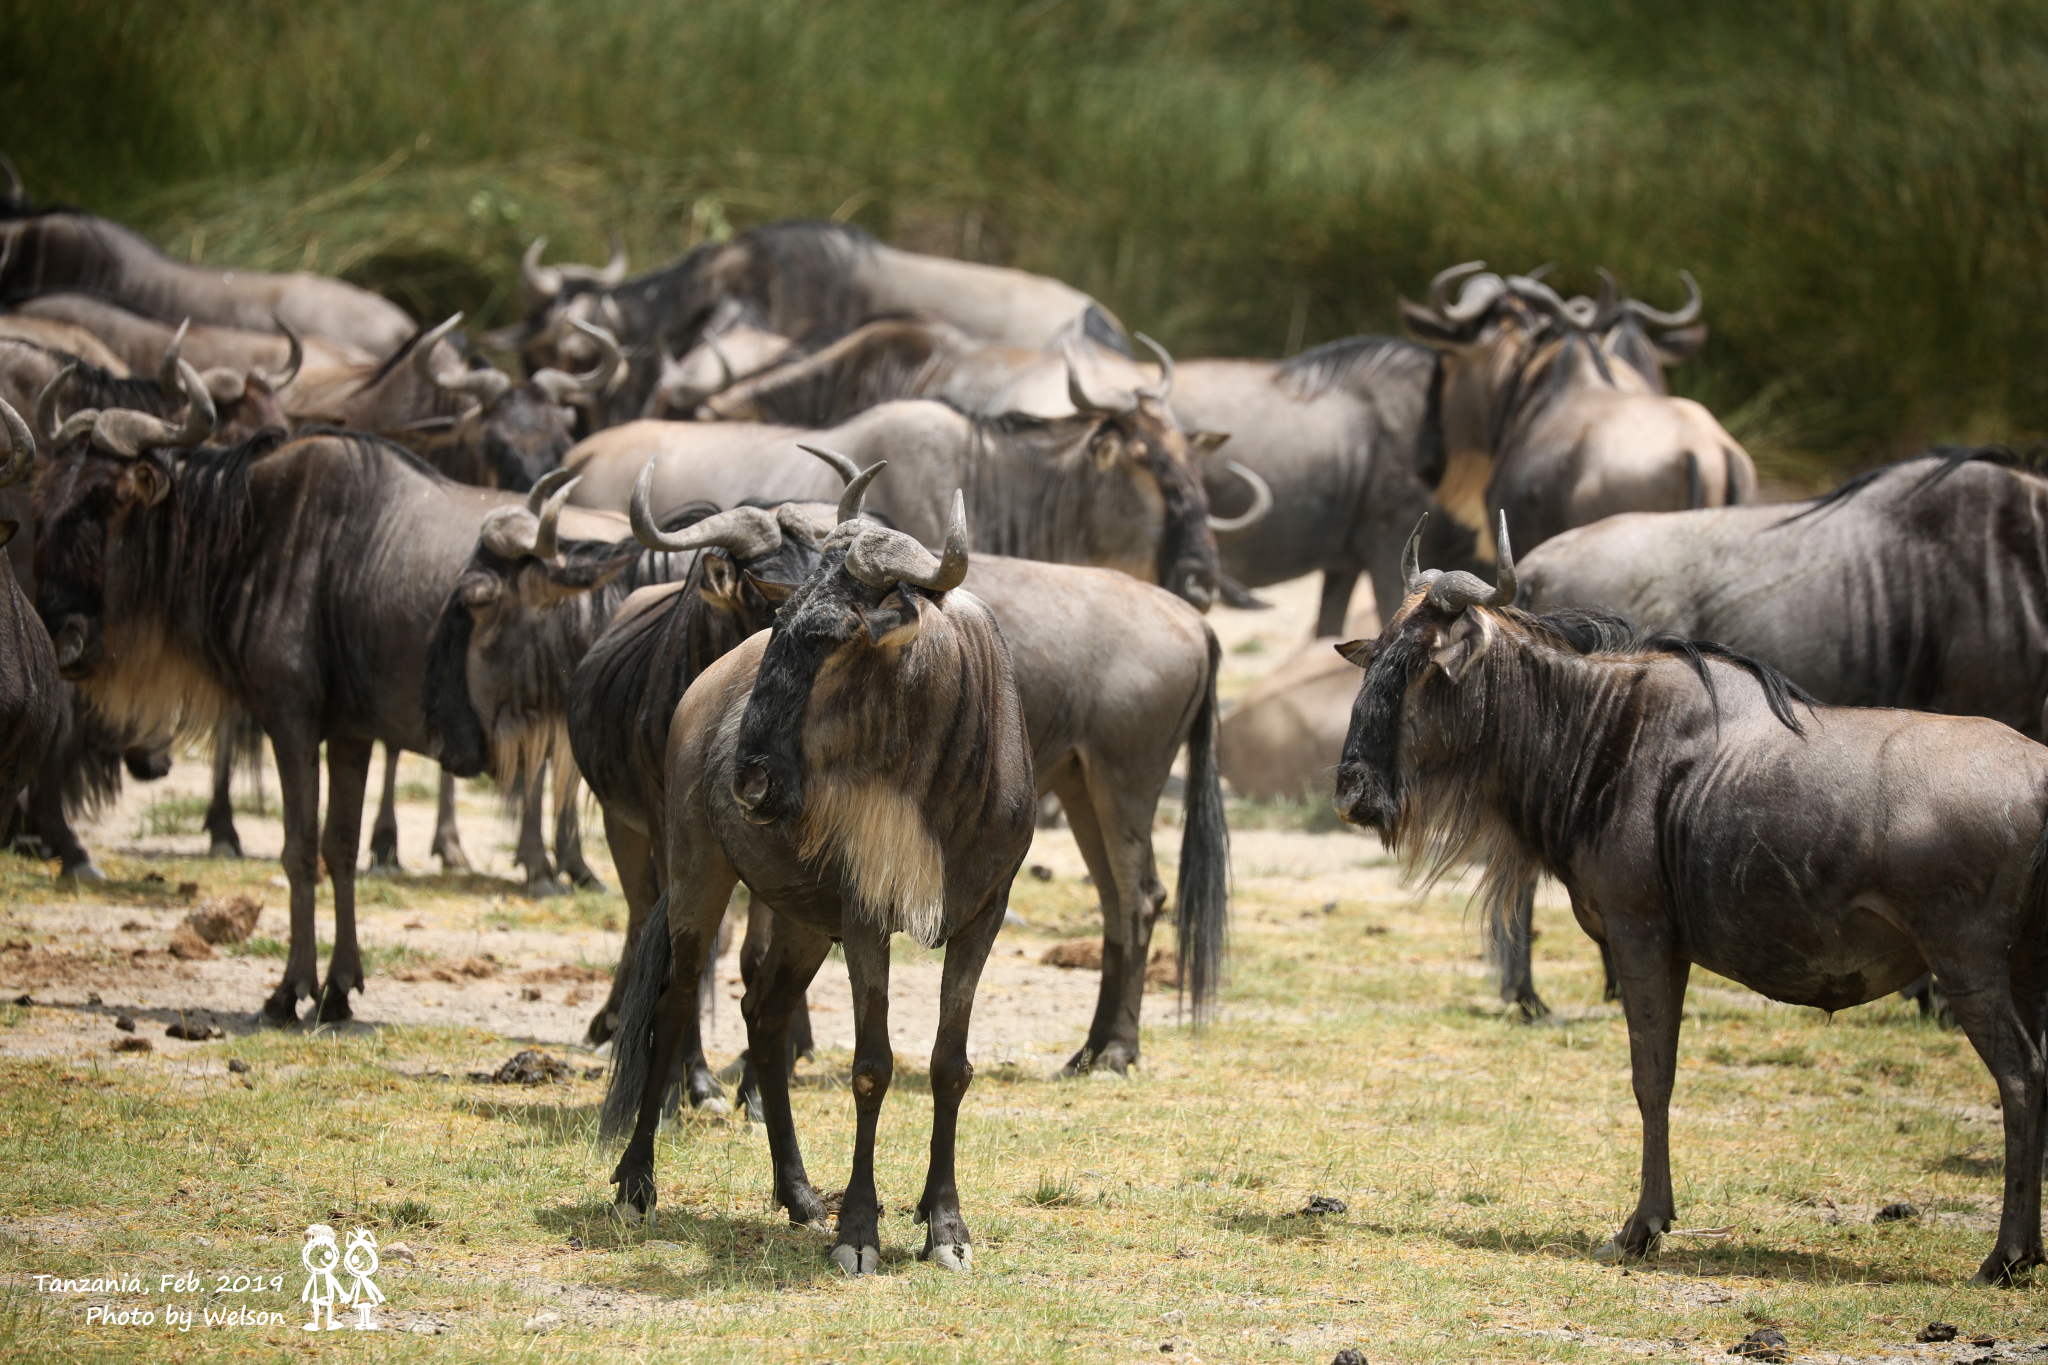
(21, 447)
(1480, 293)
(224, 384)
(515, 531)
(1457, 589)
(123, 431)
(743, 532)
(1087, 406)
(488, 385)
(542, 283)
(1598, 314)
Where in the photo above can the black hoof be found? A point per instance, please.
(283, 1006)
(636, 1199)
(225, 848)
(805, 1208)
(1530, 1009)
(453, 859)
(334, 1004)
(2001, 1268)
(1080, 1064)
(83, 872)
(602, 1026)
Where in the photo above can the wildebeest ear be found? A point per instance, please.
(1207, 442)
(7, 530)
(1682, 344)
(146, 483)
(1359, 652)
(896, 620)
(1108, 449)
(1464, 645)
(721, 583)
(774, 592)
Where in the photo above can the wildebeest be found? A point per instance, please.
(1342, 439)
(298, 580)
(61, 251)
(1114, 677)
(805, 279)
(863, 768)
(736, 342)
(1701, 808)
(30, 691)
(54, 335)
(1538, 422)
(1942, 567)
(477, 425)
(1114, 489)
(139, 342)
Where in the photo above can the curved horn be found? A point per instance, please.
(21, 447)
(486, 386)
(1262, 501)
(1460, 589)
(129, 433)
(167, 368)
(423, 350)
(1440, 286)
(544, 543)
(293, 361)
(544, 488)
(1683, 317)
(1165, 369)
(1078, 395)
(846, 469)
(882, 558)
(560, 386)
(1411, 557)
(614, 271)
(1474, 299)
(540, 283)
(46, 405)
(1546, 299)
(742, 532)
(15, 189)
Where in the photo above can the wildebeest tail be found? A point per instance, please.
(633, 1044)
(1202, 903)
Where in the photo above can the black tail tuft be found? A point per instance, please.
(633, 1044)
(1202, 901)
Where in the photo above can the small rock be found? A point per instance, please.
(125, 1023)
(1040, 872)
(1075, 952)
(135, 926)
(1937, 1331)
(398, 1251)
(1765, 1343)
(1896, 1213)
(156, 877)
(1329, 907)
(238, 1066)
(93, 998)
(1174, 1315)
(187, 890)
(542, 1322)
(529, 993)
(1166, 1346)
(226, 919)
(190, 1032)
(529, 1067)
(425, 1328)
(1325, 1203)
(133, 1045)
(1350, 1355)
(414, 924)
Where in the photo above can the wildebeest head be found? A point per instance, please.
(244, 401)
(520, 429)
(106, 468)
(840, 637)
(1442, 629)
(1143, 471)
(736, 342)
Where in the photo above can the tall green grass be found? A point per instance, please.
(1860, 185)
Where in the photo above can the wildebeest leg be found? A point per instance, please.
(1653, 980)
(1999, 1009)
(298, 781)
(946, 1240)
(1510, 938)
(533, 848)
(630, 852)
(781, 977)
(384, 833)
(692, 1074)
(754, 950)
(1336, 600)
(569, 834)
(857, 1249)
(1116, 843)
(47, 822)
(447, 838)
(348, 773)
(225, 842)
(693, 906)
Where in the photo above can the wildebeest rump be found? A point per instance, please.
(1097, 489)
(296, 580)
(863, 768)
(1344, 439)
(1700, 809)
(30, 691)
(62, 251)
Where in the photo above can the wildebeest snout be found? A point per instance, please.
(1363, 799)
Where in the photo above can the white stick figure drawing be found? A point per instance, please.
(321, 1256)
(361, 1264)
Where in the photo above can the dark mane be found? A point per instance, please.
(1948, 459)
(1588, 632)
(93, 387)
(1363, 358)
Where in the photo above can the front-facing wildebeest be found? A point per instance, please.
(863, 768)
(296, 580)
(1944, 565)
(1700, 808)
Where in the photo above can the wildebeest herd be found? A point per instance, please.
(822, 562)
